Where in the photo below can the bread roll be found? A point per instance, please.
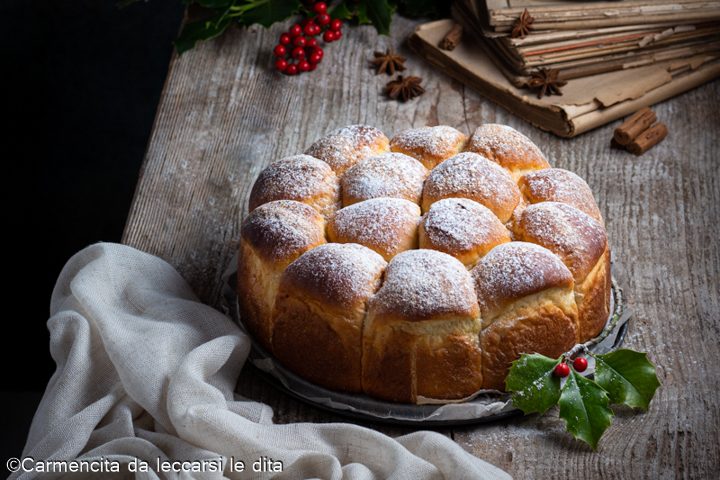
(319, 313)
(301, 178)
(527, 305)
(508, 147)
(558, 185)
(462, 228)
(386, 225)
(469, 175)
(346, 146)
(429, 145)
(271, 237)
(388, 175)
(581, 242)
(421, 332)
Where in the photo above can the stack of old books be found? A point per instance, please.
(589, 62)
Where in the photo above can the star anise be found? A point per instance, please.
(404, 88)
(546, 81)
(388, 62)
(522, 25)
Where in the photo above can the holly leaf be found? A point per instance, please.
(350, 11)
(266, 12)
(628, 376)
(379, 12)
(194, 32)
(585, 407)
(534, 387)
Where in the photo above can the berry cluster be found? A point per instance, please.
(298, 50)
(562, 369)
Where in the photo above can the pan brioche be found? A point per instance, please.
(420, 267)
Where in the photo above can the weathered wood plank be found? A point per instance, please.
(224, 116)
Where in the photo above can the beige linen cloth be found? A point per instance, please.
(146, 371)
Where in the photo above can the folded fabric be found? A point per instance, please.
(146, 373)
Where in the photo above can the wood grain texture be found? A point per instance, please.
(224, 115)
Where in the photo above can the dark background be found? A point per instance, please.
(81, 82)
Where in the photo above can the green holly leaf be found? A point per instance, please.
(265, 12)
(628, 376)
(348, 10)
(194, 32)
(585, 408)
(379, 12)
(534, 387)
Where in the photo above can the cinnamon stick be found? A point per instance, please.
(634, 126)
(648, 139)
(452, 38)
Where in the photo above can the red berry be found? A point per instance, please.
(313, 66)
(298, 53)
(336, 24)
(281, 64)
(320, 8)
(291, 70)
(309, 29)
(285, 39)
(311, 42)
(319, 51)
(329, 36)
(338, 35)
(580, 364)
(561, 369)
(295, 30)
(299, 41)
(323, 19)
(280, 50)
(304, 66)
(315, 58)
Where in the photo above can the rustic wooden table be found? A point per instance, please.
(224, 115)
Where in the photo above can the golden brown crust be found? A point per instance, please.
(430, 145)
(593, 299)
(301, 178)
(545, 324)
(422, 326)
(558, 185)
(388, 175)
(418, 335)
(577, 238)
(513, 271)
(385, 225)
(271, 236)
(508, 147)
(469, 175)
(344, 147)
(425, 285)
(319, 313)
(280, 231)
(462, 228)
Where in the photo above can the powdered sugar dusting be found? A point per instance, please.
(386, 225)
(576, 237)
(423, 284)
(439, 142)
(387, 175)
(299, 177)
(469, 175)
(506, 146)
(346, 273)
(513, 270)
(344, 147)
(282, 228)
(460, 225)
(558, 185)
